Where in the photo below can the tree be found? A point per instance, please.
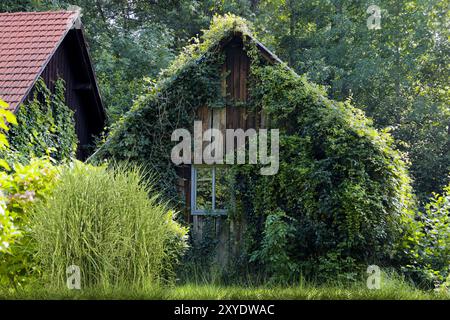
(397, 74)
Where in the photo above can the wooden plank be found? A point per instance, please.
(232, 117)
(229, 68)
(242, 118)
(219, 122)
(222, 256)
(187, 192)
(204, 114)
(234, 87)
(236, 75)
(251, 117)
(223, 83)
(243, 75)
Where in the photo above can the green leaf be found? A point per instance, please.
(4, 165)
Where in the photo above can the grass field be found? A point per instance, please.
(395, 290)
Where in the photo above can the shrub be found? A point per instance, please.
(21, 188)
(7, 229)
(103, 221)
(277, 238)
(427, 241)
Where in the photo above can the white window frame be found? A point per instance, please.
(194, 210)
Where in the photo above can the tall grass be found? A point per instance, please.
(103, 221)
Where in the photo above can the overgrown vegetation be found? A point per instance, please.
(20, 189)
(192, 80)
(103, 221)
(46, 126)
(400, 86)
(428, 243)
(342, 191)
(8, 232)
(342, 199)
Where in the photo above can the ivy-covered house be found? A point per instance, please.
(340, 191)
(42, 48)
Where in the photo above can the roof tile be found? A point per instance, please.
(27, 41)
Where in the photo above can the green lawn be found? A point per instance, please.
(398, 291)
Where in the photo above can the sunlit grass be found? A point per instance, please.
(390, 290)
(103, 222)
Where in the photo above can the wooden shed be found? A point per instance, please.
(51, 45)
(211, 85)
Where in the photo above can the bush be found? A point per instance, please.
(21, 189)
(103, 221)
(7, 228)
(277, 238)
(427, 242)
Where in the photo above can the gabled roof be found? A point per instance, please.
(196, 52)
(27, 42)
(263, 50)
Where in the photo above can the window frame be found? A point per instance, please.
(202, 212)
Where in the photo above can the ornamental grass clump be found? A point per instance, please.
(103, 221)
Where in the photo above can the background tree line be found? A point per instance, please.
(399, 75)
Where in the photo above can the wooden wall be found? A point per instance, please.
(68, 63)
(235, 115)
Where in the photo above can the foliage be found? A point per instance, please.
(341, 185)
(278, 235)
(8, 231)
(193, 79)
(398, 75)
(340, 182)
(103, 221)
(6, 118)
(427, 241)
(202, 252)
(126, 43)
(46, 126)
(401, 86)
(21, 188)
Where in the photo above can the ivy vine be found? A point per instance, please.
(46, 126)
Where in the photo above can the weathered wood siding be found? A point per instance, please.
(235, 115)
(69, 63)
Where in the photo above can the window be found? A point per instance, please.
(208, 194)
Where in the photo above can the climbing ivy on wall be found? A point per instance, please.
(193, 79)
(341, 193)
(45, 126)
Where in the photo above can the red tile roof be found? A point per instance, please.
(27, 42)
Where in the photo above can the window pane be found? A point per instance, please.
(204, 189)
(221, 188)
